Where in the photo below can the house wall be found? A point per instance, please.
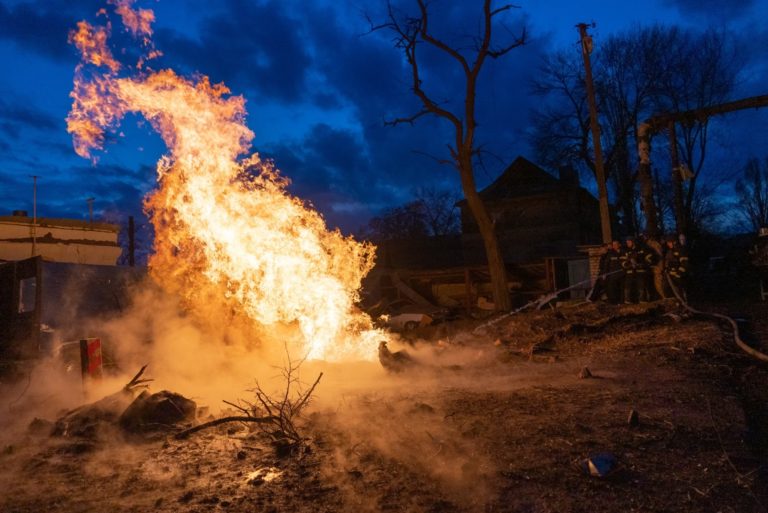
(59, 240)
(534, 227)
(21, 228)
(61, 252)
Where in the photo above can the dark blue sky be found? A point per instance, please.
(318, 90)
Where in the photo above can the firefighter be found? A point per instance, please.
(676, 265)
(614, 272)
(656, 267)
(635, 260)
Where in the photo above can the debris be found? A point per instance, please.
(408, 321)
(394, 362)
(39, 427)
(422, 408)
(137, 382)
(86, 421)
(633, 420)
(149, 412)
(187, 496)
(263, 475)
(600, 465)
(585, 373)
(259, 420)
(484, 304)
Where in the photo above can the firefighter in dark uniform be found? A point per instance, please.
(636, 261)
(614, 273)
(676, 265)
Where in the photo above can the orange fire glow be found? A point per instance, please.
(229, 239)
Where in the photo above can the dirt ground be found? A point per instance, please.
(494, 419)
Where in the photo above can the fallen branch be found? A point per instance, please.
(136, 382)
(217, 422)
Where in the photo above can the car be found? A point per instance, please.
(404, 315)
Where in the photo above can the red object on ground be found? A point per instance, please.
(90, 358)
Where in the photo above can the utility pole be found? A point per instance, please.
(34, 215)
(90, 209)
(602, 191)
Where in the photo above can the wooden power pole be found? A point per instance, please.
(602, 191)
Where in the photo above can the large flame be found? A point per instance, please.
(229, 239)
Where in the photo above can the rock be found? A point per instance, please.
(241, 455)
(152, 412)
(633, 420)
(585, 373)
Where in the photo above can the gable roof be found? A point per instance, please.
(521, 178)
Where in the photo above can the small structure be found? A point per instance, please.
(58, 240)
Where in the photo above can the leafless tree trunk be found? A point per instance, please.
(411, 32)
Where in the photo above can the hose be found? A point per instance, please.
(736, 337)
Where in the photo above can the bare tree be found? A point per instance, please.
(431, 213)
(625, 77)
(703, 69)
(405, 222)
(411, 33)
(439, 210)
(637, 74)
(752, 191)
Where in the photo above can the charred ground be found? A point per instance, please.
(493, 420)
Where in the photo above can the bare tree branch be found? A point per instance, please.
(224, 420)
(439, 160)
(410, 119)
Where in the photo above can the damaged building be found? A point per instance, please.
(55, 275)
(544, 224)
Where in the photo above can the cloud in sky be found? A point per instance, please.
(715, 10)
(318, 87)
(14, 117)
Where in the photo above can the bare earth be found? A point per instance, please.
(496, 421)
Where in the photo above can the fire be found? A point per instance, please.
(229, 239)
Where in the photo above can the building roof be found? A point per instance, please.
(65, 223)
(521, 178)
